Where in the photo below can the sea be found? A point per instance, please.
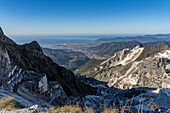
(60, 39)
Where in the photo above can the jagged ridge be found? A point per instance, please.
(30, 57)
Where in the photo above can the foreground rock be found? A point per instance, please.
(133, 99)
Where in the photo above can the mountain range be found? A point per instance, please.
(133, 76)
(145, 38)
(106, 50)
(137, 67)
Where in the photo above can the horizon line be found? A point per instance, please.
(91, 34)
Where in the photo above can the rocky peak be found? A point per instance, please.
(33, 47)
(164, 46)
(33, 44)
(140, 67)
(1, 32)
(123, 57)
(30, 57)
(151, 51)
(4, 39)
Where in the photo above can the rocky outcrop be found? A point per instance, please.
(123, 57)
(30, 57)
(34, 79)
(139, 67)
(5, 39)
(149, 72)
(4, 67)
(163, 100)
(151, 51)
(1, 32)
(136, 99)
(25, 85)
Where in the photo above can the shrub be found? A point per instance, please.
(68, 109)
(7, 103)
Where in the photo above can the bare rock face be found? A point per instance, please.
(1, 32)
(5, 39)
(25, 83)
(139, 67)
(30, 57)
(4, 67)
(163, 99)
(33, 78)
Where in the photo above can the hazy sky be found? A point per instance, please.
(44, 17)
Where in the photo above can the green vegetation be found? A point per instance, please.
(155, 44)
(88, 68)
(67, 58)
(73, 64)
(57, 56)
(108, 49)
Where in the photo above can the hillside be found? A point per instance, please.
(34, 83)
(135, 68)
(67, 58)
(87, 68)
(27, 74)
(155, 44)
(108, 49)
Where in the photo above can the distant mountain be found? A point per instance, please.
(145, 38)
(67, 58)
(159, 35)
(155, 44)
(108, 49)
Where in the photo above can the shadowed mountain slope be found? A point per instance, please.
(31, 57)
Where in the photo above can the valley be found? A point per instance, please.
(84, 56)
(133, 72)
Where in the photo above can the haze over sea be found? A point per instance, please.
(61, 39)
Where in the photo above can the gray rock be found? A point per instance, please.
(127, 72)
(1, 32)
(163, 100)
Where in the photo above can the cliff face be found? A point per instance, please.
(4, 67)
(145, 68)
(137, 67)
(30, 57)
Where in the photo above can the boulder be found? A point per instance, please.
(163, 100)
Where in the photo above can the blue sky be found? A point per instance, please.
(52, 17)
